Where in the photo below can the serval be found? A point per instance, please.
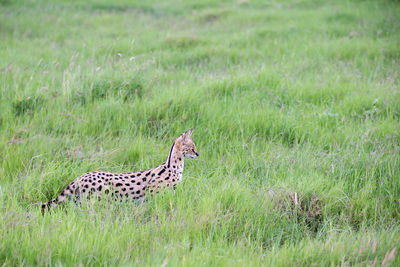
(131, 185)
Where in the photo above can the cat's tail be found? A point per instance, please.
(51, 204)
(69, 192)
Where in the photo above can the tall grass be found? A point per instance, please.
(295, 107)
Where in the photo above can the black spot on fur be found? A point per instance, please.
(138, 192)
(161, 172)
(138, 183)
(118, 184)
(99, 188)
(94, 183)
(86, 186)
(127, 184)
(132, 176)
(124, 189)
(153, 175)
(166, 178)
(144, 179)
(131, 188)
(92, 190)
(147, 174)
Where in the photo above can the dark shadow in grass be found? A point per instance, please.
(229, 89)
(311, 4)
(341, 18)
(110, 7)
(5, 2)
(237, 86)
(288, 133)
(213, 16)
(113, 7)
(121, 89)
(27, 105)
(201, 58)
(182, 42)
(271, 34)
(125, 90)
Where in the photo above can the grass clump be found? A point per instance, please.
(124, 90)
(27, 105)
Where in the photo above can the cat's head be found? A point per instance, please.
(186, 145)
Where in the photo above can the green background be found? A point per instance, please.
(295, 107)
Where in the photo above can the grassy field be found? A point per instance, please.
(295, 107)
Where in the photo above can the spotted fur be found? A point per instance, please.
(131, 185)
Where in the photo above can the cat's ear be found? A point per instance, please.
(186, 135)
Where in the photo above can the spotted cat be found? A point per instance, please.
(131, 185)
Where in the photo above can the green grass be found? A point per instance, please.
(291, 100)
